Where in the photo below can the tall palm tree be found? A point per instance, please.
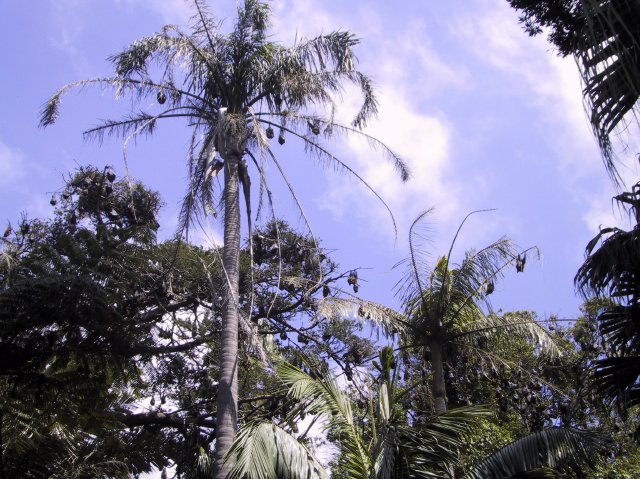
(444, 303)
(229, 87)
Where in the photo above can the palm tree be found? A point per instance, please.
(385, 446)
(612, 271)
(443, 303)
(382, 446)
(228, 87)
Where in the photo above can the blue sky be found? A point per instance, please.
(485, 116)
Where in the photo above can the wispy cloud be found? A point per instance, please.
(552, 87)
(69, 18)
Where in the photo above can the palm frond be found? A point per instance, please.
(478, 267)
(266, 451)
(433, 449)
(608, 56)
(332, 128)
(617, 378)
(380, 316)
(603, 269)
(324, 396)
(332, 160)
(560, 449)
(514, 325)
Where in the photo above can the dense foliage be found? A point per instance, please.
(110, 338)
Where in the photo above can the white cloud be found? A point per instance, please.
(12, 168)
(551, 83)
(287, 25)
(422, 141)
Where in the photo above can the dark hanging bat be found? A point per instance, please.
(314, 126)
(214, 169)
(352, 280)
(490, 288)
(110, 174)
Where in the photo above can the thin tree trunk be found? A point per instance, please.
(227, 409)
(438, 384)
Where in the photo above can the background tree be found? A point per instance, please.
(119, 334)
(228, 86)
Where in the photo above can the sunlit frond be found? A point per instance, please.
(378, 315)
(325, 397)
(266, 451)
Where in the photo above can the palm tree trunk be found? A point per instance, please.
(227, 406)
(438, 384)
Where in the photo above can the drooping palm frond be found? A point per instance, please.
(604, 270)
(608, 53)
(389, 320)
(479, 267)
(511, 324)
(331, 129)
(434, 450)
(266, 451)
(617, 378)
(559, 449)
(324, 155)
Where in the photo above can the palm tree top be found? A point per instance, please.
(237, 82)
